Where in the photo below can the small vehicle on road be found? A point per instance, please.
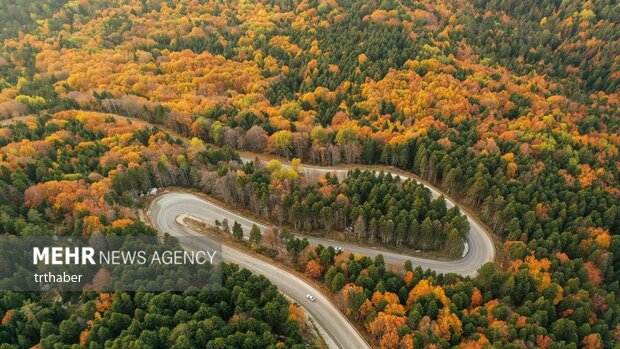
(338, 249)
(310, 297)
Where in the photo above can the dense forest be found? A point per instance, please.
(510, 107)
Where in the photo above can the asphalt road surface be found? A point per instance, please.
(339, 330)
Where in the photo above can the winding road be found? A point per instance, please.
(166, 209)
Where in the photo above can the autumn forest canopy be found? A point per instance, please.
(511, 108)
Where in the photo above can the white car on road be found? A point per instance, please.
(310, 297)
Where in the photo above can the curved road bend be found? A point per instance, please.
(163, 214)
(479, 248)
(167, 207)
